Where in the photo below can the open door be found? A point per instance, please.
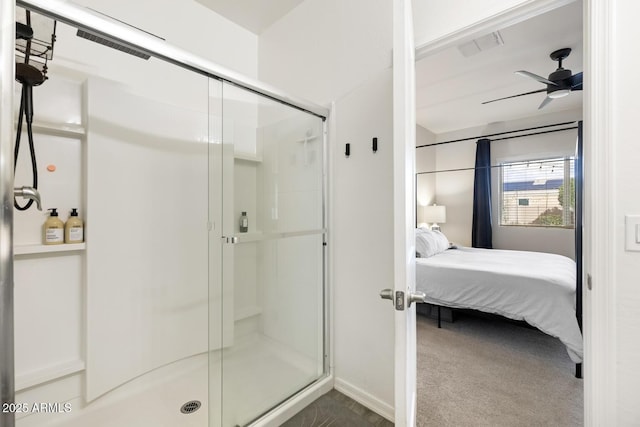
(404, 295)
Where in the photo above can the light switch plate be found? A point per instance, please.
(632, 232)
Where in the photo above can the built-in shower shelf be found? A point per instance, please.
(258, 236)
(44, 375)
(44, 249)
(254, 236)
(247, 157)
(308, 138)
(57, 129)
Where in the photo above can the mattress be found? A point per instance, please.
(536, 287)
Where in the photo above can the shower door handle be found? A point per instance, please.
(230, 239)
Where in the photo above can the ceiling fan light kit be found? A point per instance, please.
(559, 93)
(559, 84)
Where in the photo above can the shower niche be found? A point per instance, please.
(168, 301)
(49, 279)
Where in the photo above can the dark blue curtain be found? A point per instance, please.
(481, 228)
(579, 186)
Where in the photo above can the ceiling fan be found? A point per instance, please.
(560, 83)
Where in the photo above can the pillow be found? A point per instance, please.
(430, 242)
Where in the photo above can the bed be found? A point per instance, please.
(538, 288)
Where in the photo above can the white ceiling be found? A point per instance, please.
(451, 88)
(254, 15)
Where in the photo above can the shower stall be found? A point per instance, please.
(199, 294)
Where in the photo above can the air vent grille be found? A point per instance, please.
(109, 43)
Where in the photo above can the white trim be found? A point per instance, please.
(376, 405)
(330, 129)
(508, 17)
(404, 202)
(600, 195)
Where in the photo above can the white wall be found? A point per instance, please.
(425, 162)
(362, 242)
(341, 51)
(455, 189)
(323, 49)
(185, 24)
(625, 185)
(147, 266)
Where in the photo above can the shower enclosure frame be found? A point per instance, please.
(85, 19)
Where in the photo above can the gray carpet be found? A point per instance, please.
(485, 372)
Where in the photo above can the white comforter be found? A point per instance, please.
(538, 288)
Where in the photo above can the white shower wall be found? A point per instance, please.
(147, 265)
(52, 347)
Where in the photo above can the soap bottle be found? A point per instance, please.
(73, 229)
(53, 229)
(244, 223)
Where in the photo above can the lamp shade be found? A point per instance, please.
(435, 214)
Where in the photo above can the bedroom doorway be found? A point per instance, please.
(456, 118)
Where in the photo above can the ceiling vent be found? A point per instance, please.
(476, 46)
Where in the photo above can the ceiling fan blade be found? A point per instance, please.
(536, 77)
(514, 96)
(576, 81)
(545, 102)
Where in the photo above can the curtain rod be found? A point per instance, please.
(489, 167)
(502, 133)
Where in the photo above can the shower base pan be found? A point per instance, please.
(258, 374)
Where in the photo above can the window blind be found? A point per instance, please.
(538, 192)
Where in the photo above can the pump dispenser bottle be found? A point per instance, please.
(53, 229)
(73, 229)
(244, 223)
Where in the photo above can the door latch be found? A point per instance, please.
(397, 299)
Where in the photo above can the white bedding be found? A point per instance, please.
(538, 288)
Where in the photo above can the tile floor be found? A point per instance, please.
(334, 409)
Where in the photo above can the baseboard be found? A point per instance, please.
(376, 405)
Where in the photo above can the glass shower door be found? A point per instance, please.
(271, 240)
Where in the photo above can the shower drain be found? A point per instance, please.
(190, 407)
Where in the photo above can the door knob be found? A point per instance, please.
(416, 297)
(386, 294)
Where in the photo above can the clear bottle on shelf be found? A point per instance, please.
(244, 223)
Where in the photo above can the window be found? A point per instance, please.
(538, 193)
